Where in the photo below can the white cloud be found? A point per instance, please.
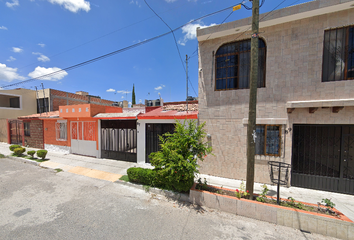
(123, 92)
(110, 90)
(17, 50)
(13, 4)
(122, 97)
(3, 28)
(170, 1)
(40, 71)
(41, 44)
(159, 87)
(11, 58)
(190, 32)
(41, 57)
(73, 5)
(135, 2)
(140, 101)
(9, 74)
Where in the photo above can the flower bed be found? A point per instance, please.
(337, 225)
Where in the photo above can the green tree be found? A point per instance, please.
(176, 162)
(133, 96)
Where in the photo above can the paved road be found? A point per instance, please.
(38, 203)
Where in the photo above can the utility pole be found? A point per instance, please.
(187, 79)
(251, 127)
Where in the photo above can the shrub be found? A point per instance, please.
(42, 153)
(176, 162)
(31, 153)
(142, 175)
(13, 147)
(19, 151)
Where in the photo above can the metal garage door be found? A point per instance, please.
(323, 157)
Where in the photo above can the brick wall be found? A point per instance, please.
(35, 139)
(60, 98)
(293, 73)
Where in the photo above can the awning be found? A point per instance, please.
(113, 116)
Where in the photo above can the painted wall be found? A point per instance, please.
(293, 73)
(28, 103)
(3, 130)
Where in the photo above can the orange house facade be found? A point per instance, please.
(75, 130)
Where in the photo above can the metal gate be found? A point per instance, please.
(323, 157)
(119, 144)
(16, 130)
(153, 131)
(83, 138)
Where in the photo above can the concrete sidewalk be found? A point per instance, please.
(111, 170)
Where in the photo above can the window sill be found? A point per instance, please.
(268, 121)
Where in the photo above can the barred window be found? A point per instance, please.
(338, 54)
(26, 126)
(268, 140)
(233, 65)
(61, 131)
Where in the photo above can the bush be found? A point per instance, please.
(13, 147)
(42, 153)
(176, 162)
(31, 153)
(19, 151)
(142, 175)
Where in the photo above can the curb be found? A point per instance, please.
(181, 197)
(23, 160)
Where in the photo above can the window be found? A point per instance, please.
(338, 54)
(268, 140)
(61, 132)
(9, 101)
(42, 105)
(26, 126)
(233, 65)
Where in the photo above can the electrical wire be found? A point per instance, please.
(174, 37)
(115, 52)
(95, 39)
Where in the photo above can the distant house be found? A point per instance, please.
(15, 103)
(305, 102)
(24, 102)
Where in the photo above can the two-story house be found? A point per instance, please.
(305, 99)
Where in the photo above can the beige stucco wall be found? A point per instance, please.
(28, 103)
(293, 73)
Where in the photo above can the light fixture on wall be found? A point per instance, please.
(288, 130)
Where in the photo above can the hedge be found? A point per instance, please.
(152, 177)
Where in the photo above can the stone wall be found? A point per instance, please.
(293, 73)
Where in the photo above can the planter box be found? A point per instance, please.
(339, 227)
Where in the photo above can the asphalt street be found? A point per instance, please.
(38, 203)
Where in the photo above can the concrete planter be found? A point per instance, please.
(339, 227)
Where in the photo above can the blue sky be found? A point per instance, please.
(41, 36)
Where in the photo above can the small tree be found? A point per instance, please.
(133, 96)
(176, 162)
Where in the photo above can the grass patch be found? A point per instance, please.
(58, 170)
(2, 156)
(39, 160)
(124, 178)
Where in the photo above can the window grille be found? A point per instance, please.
(26, 126)
(61, 131)
(233, 65)
(338, 54)
(268, 140)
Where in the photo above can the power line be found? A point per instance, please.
(174, 37)
(95, 39)
(115, 52)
